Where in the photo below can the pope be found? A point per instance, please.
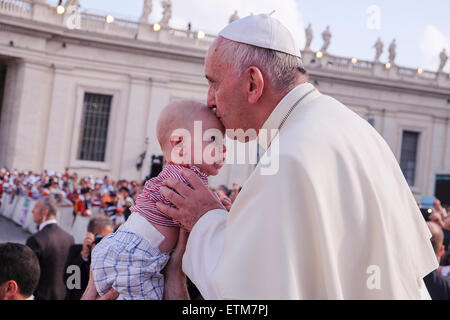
(326, 224)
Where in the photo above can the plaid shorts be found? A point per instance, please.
(128, 263)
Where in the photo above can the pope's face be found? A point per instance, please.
(212, 148)
(225, 92)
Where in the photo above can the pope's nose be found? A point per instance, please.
(210, 100)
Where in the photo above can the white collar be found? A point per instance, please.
(30, 297)
(270, 128)
(45, 223)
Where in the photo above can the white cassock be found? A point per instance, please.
(337, 221)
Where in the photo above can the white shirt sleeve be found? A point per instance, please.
(203, 251)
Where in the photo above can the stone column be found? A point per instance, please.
(9, 116)
(58, 137)
(446, 147)
(28, 116)
(390, 132)
(134, 134)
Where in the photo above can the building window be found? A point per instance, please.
(408, 155)
(94, 130)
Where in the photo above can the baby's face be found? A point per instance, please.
(202, 144)
(212, 147)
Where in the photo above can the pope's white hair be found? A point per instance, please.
(282, 69)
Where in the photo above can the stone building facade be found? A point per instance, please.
(87, 96)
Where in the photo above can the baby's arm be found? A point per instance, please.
(226, 202)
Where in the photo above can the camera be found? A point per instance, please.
(97, 239)
(426, 213)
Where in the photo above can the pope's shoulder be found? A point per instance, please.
(323, 127)
(322, 114)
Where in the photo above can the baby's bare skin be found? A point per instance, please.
(170, 238)
(176, 115)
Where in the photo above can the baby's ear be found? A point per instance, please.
(174, 140)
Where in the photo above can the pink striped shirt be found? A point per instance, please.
(146, 201)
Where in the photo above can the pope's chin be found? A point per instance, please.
(236, 134)
(213, 169)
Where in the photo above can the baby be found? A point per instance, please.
(131, 259)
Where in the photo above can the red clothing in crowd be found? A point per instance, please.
(81, 207)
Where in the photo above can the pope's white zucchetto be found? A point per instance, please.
(262, 31)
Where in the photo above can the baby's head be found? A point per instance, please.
(177, 124)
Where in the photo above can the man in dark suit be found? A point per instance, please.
(79, 259)
(51, 245)
(437, 285)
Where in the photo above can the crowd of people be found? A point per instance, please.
(84, 193)
(438, 221)
(19, 279)
(107, 202)
(112, 197)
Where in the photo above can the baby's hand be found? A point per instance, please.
(226, 202)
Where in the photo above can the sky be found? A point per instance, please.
(421, 28)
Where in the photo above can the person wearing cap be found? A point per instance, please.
(82, 203)
(110, 200)
(96, 198)
(125, 201)
(318, 218)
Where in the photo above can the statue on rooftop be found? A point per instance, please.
(146, 11)
(326, 36)
(167, 12)
(392, 51)
(379, 49)
(309, 37)
(443, 57)
(234, 17)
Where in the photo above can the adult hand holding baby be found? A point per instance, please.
(191, 203)
(91, 292)
(175, 279)
(226, 202)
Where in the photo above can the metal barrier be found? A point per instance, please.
(79, 228)
(65, 218)
(19, 209)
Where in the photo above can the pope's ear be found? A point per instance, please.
(175, 140)
(11, 289)
(254, 85)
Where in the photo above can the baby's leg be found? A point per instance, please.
(170, 237)
(103, 264)
(130, 265)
